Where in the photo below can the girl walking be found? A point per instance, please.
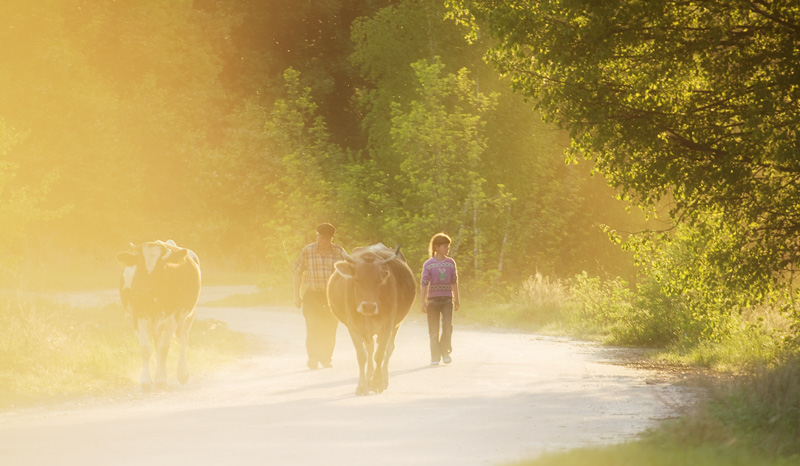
(439, 296)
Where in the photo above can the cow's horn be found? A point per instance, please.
(393, 257)
(164, 245)
(347, 257)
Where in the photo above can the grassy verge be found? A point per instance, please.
(646, 453)
(52, 352)
(750, 417)
(753, 421)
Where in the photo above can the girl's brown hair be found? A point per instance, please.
(438, 238)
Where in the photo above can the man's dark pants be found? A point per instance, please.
(320, 328)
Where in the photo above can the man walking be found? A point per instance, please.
(316, 264)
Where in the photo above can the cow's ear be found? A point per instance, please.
(128, 259)
(344, 268)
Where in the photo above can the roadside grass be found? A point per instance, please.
(52, 352)
(540, 304)
(740, 353)
(749, 416)
(645, 453)
(753, 421)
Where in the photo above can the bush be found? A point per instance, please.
(662, 319)
(605, 305)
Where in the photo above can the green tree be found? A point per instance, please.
(695, 103)
(690, 288)
(386, 43)
(21, 206)
(120, 98)
(440, 138)
(234, 177)
(302, 193)
(554, 222)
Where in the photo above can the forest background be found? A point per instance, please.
(629, 169)
(235, 127)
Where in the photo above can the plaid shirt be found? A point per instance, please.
(317, 265)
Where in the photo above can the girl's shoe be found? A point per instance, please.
(447, 359)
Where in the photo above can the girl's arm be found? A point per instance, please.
(455, 296)
(425, 279)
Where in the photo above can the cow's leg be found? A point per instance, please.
(361, 355)
(165, 332)
(370, 343)
(183, 336)
(380, 380)
(142, 335)
(389, 351)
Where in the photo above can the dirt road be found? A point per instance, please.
(506, 396)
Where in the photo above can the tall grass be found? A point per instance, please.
(50, 351)
(537, 303)
(615, 313)
(759, 412)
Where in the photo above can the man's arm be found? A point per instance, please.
(456, 300)
(298, 280)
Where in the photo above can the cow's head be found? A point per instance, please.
(369, 274)
(148, 258)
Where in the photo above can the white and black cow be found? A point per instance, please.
(160, 286)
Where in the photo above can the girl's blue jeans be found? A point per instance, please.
(440, 308)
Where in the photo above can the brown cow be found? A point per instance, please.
(160, 286)
(371, 293)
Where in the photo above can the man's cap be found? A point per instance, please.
(326, 229)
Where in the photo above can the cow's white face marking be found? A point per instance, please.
(368, 308)
(151, 253)
(127, 277)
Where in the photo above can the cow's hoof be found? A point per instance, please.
(377, 384)
(161, 385)
(362, 391)
(183, 378)
(380, 387)
(147, 388)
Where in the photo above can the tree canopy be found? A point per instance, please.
(693, 103)
(236, 127)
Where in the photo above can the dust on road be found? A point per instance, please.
(506, 396)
